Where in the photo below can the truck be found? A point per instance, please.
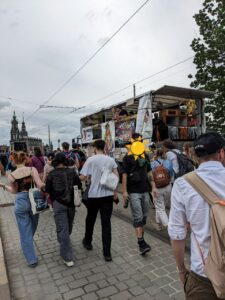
(170, 112)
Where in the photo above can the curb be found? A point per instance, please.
(4, 283)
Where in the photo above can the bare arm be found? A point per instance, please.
(9, 188)
(83, 178)
(124, 185)
(36, 178)
(178, 247)
(154, 188)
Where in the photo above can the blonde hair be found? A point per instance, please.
(19, 157)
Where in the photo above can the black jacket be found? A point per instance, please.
(60, 184)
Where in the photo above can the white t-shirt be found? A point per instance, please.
(173, 158)
(93, 167)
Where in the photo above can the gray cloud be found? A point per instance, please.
(4, 104)
(41, 53)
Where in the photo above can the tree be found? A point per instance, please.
(209, 59)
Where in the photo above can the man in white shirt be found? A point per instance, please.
(99, 197)
(169, 149)
(190, 210)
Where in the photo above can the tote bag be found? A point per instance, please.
(77, 196)
(109, 179)
(38, 200)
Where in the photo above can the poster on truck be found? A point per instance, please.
(124, 131)
(87, 135)
(108, 135)
(144, 117)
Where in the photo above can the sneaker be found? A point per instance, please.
(68, 263)
(87, 246)
(33, 265)
(108, 257)
(144, 248)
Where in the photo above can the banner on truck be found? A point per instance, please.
(87, 135)
(124, 131)
(108, 135)
(144, 117)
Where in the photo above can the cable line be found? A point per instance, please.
(122, 89)
(60, 88)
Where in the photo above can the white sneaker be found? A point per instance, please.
(69, 263)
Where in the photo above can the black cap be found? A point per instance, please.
(208, 143)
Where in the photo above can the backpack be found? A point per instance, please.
(185, 164)
(70, 158)
(214, 265)
(161, 175)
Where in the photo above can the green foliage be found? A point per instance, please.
(209, 59)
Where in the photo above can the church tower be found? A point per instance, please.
(14, 129)
(23, 132)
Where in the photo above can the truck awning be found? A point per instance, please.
(182, 92)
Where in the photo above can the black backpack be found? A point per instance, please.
(186, 165)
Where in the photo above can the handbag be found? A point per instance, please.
(109, 179)
(77, 196)
(38, 200)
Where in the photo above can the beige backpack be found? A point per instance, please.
(214, 265)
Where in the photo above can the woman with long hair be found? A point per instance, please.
(20, 182)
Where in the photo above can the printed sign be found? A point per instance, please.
(108, 135)
(124, 131)
(87, 135)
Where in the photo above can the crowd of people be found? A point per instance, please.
(160, 175)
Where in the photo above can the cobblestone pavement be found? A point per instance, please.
(129, 276)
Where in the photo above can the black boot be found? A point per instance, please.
(143, 246)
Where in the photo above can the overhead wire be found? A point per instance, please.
(122, 89)
(61, 87)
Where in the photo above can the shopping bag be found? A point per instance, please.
(38, 200)
(77, 196)
(109, 179)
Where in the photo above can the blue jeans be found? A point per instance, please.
(139, 204)
(27, 224)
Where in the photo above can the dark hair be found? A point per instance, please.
(60, 158)
(208, 144)
(75, 145)
(99, 145)
(51, 155)
(65, 146)
(159, 152)
(37, 151)
(136, 135)
(169, 144)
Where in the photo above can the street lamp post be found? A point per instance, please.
(58, 143)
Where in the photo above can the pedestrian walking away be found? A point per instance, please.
(60, 186)
(73, 158)
(189, 210)
(100, 197)
(38, 161)
(162, 171)
(135, 184)
(20, 182)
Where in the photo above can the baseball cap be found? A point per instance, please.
(208, 143)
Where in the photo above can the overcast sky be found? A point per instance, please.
(44, 42)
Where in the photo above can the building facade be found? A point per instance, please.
(19, 139)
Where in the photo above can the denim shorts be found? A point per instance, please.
(139, 203)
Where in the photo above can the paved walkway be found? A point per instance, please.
(129, 276)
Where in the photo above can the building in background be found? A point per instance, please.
(20, 139)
